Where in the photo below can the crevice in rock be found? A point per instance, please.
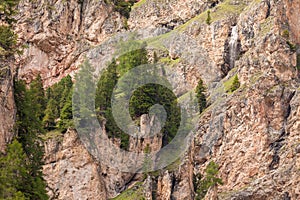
(269, 9)
(81, 4)
(286, 196)
(213, 4)
(154, 189)
(276, 146)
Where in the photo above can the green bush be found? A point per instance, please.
(286, 34)
(235, 84)
(208, 19)
(123, 6)
(291, 45)
(8, 40)
(200, 94)
(202, 184)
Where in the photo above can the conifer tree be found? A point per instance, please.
(29, 127)
(66, 114)
(50, 115)
(12, 172)
(105, 87)
(235, 84)
(200, 94)
(67, 85)
(37, 97)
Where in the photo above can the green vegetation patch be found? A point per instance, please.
(232, 84)
(158, 42)
(138, 4)
(134, 193)
(169, 61)
(266, 26)
(221, 11)
(55, 134)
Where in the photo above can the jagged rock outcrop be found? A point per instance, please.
(149, 14)
(70, 171)
(7, 107)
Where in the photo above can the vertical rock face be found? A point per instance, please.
(7, 108)
(150, 132)
(57, 33)
(252, 133)
(293, 18)
(148, 13)
(70, 171)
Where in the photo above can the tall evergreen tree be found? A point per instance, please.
(235, 84)
(67, 85)
(12, 172)
(200, 94)
(83, 96)
(105, 87)
(37, 97)
(66, 114)
(29, 127)
(50, 115)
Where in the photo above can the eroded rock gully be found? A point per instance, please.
(252, 133)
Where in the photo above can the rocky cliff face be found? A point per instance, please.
(7, 107)
(57, 33)
(252, 133)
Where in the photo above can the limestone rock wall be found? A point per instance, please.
(252, 133)
(57, 32)
(7, 107)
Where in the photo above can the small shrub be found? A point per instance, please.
(202, 184)
(286, 34)
(235, 84)
(291, 45)
(208, 19)
(200, 94)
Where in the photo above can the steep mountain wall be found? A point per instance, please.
(7, 107)
(252, 133)
(57, 33)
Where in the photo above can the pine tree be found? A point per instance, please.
(12, 172)
(37, 96)
(210, 180)
(84, 107)
(66, 114)
(105, 87)
(235, 84)
(67, 85)
(208, 19)
(29, 127)
(50, 115)
(200, 94)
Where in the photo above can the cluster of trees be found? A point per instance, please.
(141, 100)
(58, 110)
(8, 38)
(20, 167)
(38, 111)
